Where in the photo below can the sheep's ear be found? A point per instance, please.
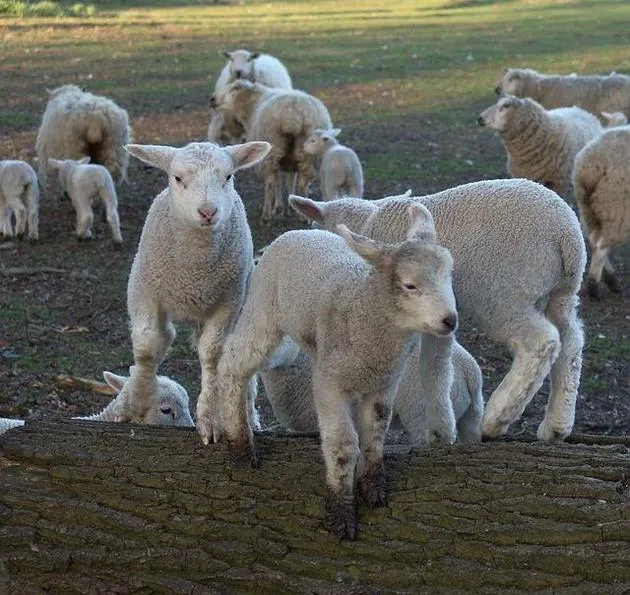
(114, 380)
(371, 251)
(55, 163)
(421, 223)
(85, 159)
(226, 54)
(505, 69)
(314, 211)
(157, 155)
(334, 132)
(248, 154)
(253, 56)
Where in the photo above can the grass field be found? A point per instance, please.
(405, 80)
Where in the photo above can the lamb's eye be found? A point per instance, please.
(178, 179)
(165, 410)
(409, 286)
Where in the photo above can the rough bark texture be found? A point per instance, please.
(95, 507)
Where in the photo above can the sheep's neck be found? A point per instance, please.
(524, 139)
(246, 110)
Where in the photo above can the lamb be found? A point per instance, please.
(519, 258)
(85, 183)
(193, 265)
(168, 405)
(19, 196)
(340, 170)
(602, 188)
(593, 93)
(286, 377)
(253, 66)
(334, 296)
(77, 124)
(541, 145)
(614, 119)
(283, 118)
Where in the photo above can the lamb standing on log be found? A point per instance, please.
(19, 196)
(526, 298)
(541, 145)
(353, 305)
(193, 265)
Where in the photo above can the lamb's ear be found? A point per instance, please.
(226, 54)
(421, 224)
(369, 250)
(253, 56)
(114, 380)
(157, 155)
(85, 159)
(248, 154)
(314, 211)
(505, 69)
(55, 163)
(334, 132)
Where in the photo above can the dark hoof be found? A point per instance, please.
(611, 280)
(592, 288)
(243, 455)
(341, 515)
(373, 488)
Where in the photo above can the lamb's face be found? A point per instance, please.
(513, 82)
(242, 64)
(501, 115)
(169, 406)
(314, 144)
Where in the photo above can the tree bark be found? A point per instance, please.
(118, 508)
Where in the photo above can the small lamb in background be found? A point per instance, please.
(85, 183)
(19, 197)
(614, 119)
(340, 170)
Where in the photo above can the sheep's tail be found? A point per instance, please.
(95, 128)
(108, 414)
(573, 254)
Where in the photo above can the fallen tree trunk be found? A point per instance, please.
(95, 507)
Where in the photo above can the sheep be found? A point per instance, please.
(77, 124)
(541, 145)
(519, 258)
(168, 405)
(19, 196)
(286, 377)
(85, 183)
(352, 305)
(284, 118)
(340, 170)
(193, 265)
(614, 119)
(253, 66)
(593, 93)
(602, 188)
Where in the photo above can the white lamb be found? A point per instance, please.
(168, 405)
(519, 258)
(283, 118)
(593, 93)
(340, 171)
(85, 183)
(614, 119)
(255, 67)
(286, 377)
(193, 265)
(19, 196)
(541, 145)
(353, 307)
(602, 188)
(78, 124)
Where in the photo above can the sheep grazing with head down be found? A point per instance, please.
(541, 145)
(85, 183)
(19, 197)
(78, 124)
(283, 118)
(340, 171)
(353, 305)
(193, 265)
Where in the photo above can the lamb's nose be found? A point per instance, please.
(213, 101)
(450, 321)
(497, 90)
(480, 121)
(238, 74)
(208, 215)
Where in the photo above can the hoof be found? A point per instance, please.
(547, 433)
(341, 515)
(373, 488)
(493, 430)
(243, 455)
(611, 280)
(592, 288)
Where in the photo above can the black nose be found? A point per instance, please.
(450, 322)
(480, 121)
(213, 101)
(497, 90)
(238, 74)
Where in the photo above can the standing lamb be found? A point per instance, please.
(340, 171)
(519, 258)
(541, 145)
(283, 118)
(19, 196)
(602, 188)
(85, 183)
(353, 307)
(255, 67)
(193, 265)
(593, 93)
(79, 124)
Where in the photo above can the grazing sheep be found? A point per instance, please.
(19, 196)
(519, 258)
(340, 170)
(602, 188)
(541, 145)
(255, 67)
(352, 305)
(85, 183)
(287, 380)
(614, 119)
(78, 124)
(193, 265)
(593, 93)
(283, 118)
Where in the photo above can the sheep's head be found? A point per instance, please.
(65, 166)
(419, 274)
(615, 119)
(320, 140)
(520, 82)
(52, 93)
(242, 64)
(326, 215)
(500, 115)
(201, 177)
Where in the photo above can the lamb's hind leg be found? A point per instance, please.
(535, 346)
(565, 372)
(108, 196)
(598, 263)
